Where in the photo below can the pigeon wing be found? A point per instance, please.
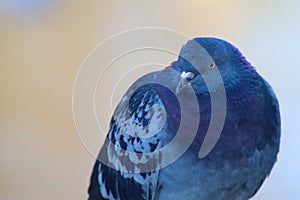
(129, 164)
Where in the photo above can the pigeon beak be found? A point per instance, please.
(185, 79)
(182, 83)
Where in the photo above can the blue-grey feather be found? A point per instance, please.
(238, 164)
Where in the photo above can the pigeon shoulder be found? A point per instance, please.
(137, 130)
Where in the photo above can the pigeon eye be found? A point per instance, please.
(212, 66)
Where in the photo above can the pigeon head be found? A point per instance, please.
(214, 61)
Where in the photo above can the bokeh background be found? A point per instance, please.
(44, 42)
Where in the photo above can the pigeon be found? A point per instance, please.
(205, 127)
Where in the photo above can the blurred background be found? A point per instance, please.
(44, 42)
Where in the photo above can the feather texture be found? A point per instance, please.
(130, 164)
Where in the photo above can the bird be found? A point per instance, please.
(162, 143)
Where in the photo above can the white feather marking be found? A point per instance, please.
(157, 115)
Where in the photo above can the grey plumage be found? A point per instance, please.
(148, 118)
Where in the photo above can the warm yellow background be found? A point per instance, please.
(41, 50)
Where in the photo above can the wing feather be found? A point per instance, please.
(129, 161)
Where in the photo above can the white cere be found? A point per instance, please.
(187, 75)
